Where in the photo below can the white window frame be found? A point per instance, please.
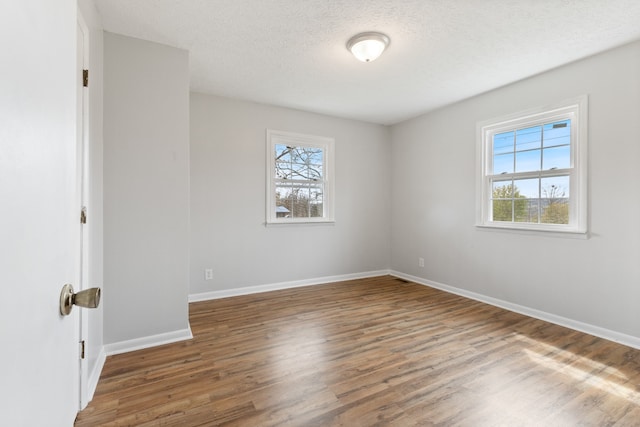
(576, 110)
(300, 140)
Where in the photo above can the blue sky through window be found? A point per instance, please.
(534, 148)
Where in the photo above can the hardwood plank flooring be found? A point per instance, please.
(370, 352)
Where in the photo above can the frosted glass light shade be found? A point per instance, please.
(367, 47)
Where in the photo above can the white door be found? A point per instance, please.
(38, 214)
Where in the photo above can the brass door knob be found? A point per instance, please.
(89, 298)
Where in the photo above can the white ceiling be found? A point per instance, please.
(292, 53)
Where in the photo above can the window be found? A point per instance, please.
(533, 170)
(299, 178)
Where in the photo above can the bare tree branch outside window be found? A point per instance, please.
(299, 181)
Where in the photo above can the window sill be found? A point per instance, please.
(547, 232)
(322, 221)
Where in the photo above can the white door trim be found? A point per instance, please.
(82, 201)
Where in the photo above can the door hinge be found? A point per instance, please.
(82, 349)
(83, 215)
(85, 78)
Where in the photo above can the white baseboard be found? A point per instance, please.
(94, 376)
(628, 340)
(146, 342)
(226, 293)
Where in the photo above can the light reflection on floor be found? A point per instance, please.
(580, 368)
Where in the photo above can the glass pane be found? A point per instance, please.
(296, 200)
(525, 194)
(314, 172)
(283, 200)
(557, 133)
(283, 190)
(282, 211)
(283, 161)
(527, 161)
(316, 206)
(555, 187)
(555, 212)
(503, 143)
(529, 138)
(502, 163)
(554, 204)
(556, 157)
(502, 210)
(502, 204)
(315, 156)
(300, 202)
(526, 210)
(314, 159)
(301, 163)
(299, 171)
(526, 188)
(502, 190)
(283, 152)
(283, 170)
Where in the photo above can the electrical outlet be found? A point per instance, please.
(208, 274)
(420, 262)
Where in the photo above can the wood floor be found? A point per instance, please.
(371, 352)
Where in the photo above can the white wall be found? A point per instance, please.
(228, 234)
(595, 280)
(95, 340)
(146, 189)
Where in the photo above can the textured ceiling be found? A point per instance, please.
(292, 53)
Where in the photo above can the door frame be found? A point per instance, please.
(82, 200)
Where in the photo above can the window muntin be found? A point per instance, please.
(299, 182)
(534, 170)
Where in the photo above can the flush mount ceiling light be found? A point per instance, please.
(366, 47)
